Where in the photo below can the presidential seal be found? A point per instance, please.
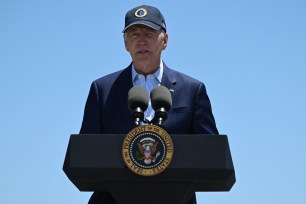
(147, 150)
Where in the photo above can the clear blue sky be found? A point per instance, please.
(250, 54)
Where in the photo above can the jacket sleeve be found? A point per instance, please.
(203, 121)
(92, 114)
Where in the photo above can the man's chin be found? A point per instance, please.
(143, 58)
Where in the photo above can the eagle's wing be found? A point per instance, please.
(140, 147)
(154, 148)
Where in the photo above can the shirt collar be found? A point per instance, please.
(158, 74)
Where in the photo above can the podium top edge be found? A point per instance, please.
(212, 135)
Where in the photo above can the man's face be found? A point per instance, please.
(145, 46)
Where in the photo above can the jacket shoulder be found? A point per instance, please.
(177, 76)
(110, 78)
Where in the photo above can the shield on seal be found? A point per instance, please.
(147, 152)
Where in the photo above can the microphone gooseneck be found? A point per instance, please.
(137, 103)
(161, 103)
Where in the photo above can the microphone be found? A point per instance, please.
(138, 101)
(161, 103)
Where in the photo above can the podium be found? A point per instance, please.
(200, 163)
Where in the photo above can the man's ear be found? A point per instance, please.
(165, 41)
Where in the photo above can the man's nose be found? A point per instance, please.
(142, 40)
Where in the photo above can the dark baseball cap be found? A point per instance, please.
(145, 15)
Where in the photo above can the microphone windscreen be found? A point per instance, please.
(161, 98)
(138, 98)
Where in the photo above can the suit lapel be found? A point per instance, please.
(124, 85)
(169, 81)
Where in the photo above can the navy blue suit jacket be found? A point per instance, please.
(106, 109)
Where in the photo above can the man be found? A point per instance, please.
(106, 111)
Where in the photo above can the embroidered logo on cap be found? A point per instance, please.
(141, 12)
